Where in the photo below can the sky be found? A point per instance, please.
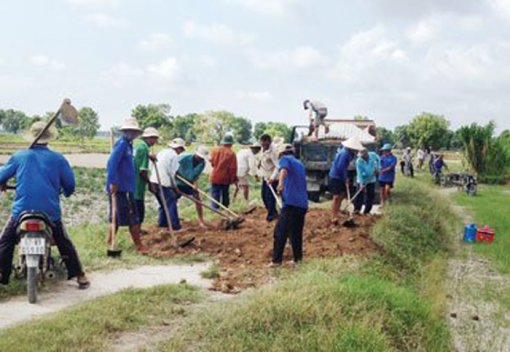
(388, 60)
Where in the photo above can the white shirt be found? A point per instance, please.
(421, 154)
(267, 163)
(246, 163)
(168, 164)
(407, 157)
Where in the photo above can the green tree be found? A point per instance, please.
(14, 120)
(385, 135)
(211, 126)
(274, 129)
(360, 118)
(259, 129)
(428, 129)
(241, 129)
(86, 129)
(153, 115)
(402, 136)
(182, 127)
(477, 144)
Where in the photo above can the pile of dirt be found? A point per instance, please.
(243, 254)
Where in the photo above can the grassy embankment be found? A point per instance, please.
(93, 326)
(392, 301)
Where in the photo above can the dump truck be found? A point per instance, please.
(317, 154)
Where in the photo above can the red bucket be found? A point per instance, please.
(485, 234)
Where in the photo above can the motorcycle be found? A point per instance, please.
(35, 262)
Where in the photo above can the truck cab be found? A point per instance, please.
(317, 155)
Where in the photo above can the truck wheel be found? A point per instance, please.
(32, 285)
(314, 196)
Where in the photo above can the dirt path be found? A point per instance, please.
(66, 294)
(89, 160)
(477, 323)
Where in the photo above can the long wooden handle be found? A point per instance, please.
(163, 200)
(46, 128)
(274, 195)
(207, 195)
(114, 221)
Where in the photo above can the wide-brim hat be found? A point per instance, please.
(202, 151)
(255, 145)
(150, 132)
(177, 143)
(353, 143)
(283, 148)
(386, 147)
(228, 139)
(36, 128)
(130, 124)
(278, 141)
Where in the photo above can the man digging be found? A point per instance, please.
(368, 165)
(40, 175)
(339, 182)
(167, 165)
(191, 167)
(246, 167)
(121, 183)
(292, 187)
(224, 173)
(150, 137)
(267, 168)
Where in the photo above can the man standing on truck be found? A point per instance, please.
(339, 182)
(267, 168)
(318, 112)
(387, 174)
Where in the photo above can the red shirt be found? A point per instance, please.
(224, 163)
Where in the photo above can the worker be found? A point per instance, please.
(387, 173)
(339, 182)
(41, 175)
(438, 168)
(267, 169)
(191, 167)
(368, 165)
(421, 158)
(292, 187)
(247, 166)
(407, 160)
(224, 173)
(318, 113)
(121, 183)
(166, 167)
(142, 156)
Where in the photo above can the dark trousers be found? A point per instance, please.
(269, 200)
(366, 197)
(221, 193)
(289, 225)
(65, 247)
(140, 206)
(171, 202)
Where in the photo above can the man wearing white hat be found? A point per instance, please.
(121, 182)
(150, 137)
(191, 167)
(167, 165)
(338, 179)
(246, 166)
(41, 175)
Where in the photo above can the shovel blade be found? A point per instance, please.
(114, 253)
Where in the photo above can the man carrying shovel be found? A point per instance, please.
(367, 168)
(292, 187)
(167, 165)
(268, 170)
(121, 184)
(191, 167)
(339, 182)
(41, 174)
(150, 137)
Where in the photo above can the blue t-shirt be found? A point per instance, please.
(391, 162)
(438, 165)
(121, 167)
(294, 185)
(339, 168)
(365, 170)
(40, 176)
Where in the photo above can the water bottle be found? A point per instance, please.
(470, 233)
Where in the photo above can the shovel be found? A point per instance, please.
(167, 213)
(278, 201)
(350, 221)
(229, 223)
(237, 218)
(113, 251)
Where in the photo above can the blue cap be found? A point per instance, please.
(387, 146)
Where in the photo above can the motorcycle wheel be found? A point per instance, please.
(32, 285)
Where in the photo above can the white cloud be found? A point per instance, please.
(95, 3)
(167, 69)
(258, 97)
(298, 58)
(271, 7)
(104, 20)
(155, 42)
(215, 33)
(45, 61)
(500, 7)
(424, 31)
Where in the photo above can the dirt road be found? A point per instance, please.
(66, 294)
(93, 160)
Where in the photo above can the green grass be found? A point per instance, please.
(491, 207)
(390, 301)
(93, 326)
